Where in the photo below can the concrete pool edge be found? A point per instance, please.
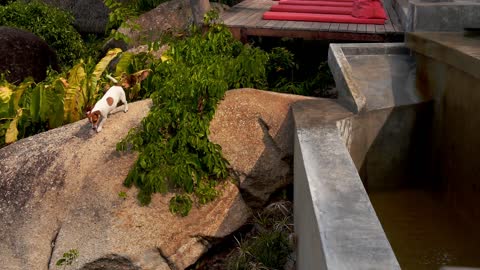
(337, 225)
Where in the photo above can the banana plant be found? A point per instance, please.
(10, 110)
(82, 88)
(51, 103)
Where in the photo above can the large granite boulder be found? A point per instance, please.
(24, 54)
(255, 130)
(167, 18)
(60, 190)
(91, 16)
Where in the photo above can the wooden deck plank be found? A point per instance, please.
(394, 20)
(279, 25)
(253, 20)
(250, 8)
(380, 29)
(261, 23)
(370, 28)
(320, 26)
(274, 24)
(352, 27)
(235, 16)
(389, 27)
(388, 23)
(343, 27)
(243, 20)
(289, 25)
(298, 25)
(333, 27)
(362, 28)
(246, 19)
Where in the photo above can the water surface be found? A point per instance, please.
(425, 232)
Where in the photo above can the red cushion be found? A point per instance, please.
(316, 3)
(368, 9)
(310, 17)
(331, 0)
(312, 9)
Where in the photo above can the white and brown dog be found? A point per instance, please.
(106, 105)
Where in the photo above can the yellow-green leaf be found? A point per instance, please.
(165, 58)
(76, 75)
(11, 134)
(122, 65)
(103, 64)
(98, 71)
(17, 95)
(5, 93)
(72, 103)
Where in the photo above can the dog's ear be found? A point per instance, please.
(144, 75)
(88, 110)
(97, 113)
(132, 79)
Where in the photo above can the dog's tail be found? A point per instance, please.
(112, 79)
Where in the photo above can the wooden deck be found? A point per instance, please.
(245, 19)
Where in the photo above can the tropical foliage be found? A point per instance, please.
(185, 85)
(30, 108)
(185, 88)
(52, 24)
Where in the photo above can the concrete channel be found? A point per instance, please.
(387, 176)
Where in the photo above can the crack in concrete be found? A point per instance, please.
(170, 264)
(52, 245)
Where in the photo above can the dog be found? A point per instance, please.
(99, 114)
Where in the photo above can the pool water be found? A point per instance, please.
(425, 232)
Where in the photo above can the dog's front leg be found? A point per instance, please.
(124, 101)
(100, 125)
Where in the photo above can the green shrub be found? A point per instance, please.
(53, 25)
(283, 75)
(267, 245)
(180, 204)
(269, 249)
(185, 89)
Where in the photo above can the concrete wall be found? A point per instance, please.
(449, 68)
(404, 139)
(442, 16)
(390, 146)
(336, 225)
(310, 253)
(456, 122)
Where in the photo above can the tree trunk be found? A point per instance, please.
(199, 8)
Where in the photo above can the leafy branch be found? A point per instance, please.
(175, 152)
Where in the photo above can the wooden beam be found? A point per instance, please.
(242, 33)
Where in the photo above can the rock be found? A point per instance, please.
(144, 49)
(168, 18)
(59, 190)
(255, 130)
(91, 16)
(24, 54)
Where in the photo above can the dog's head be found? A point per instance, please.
(94, 118)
